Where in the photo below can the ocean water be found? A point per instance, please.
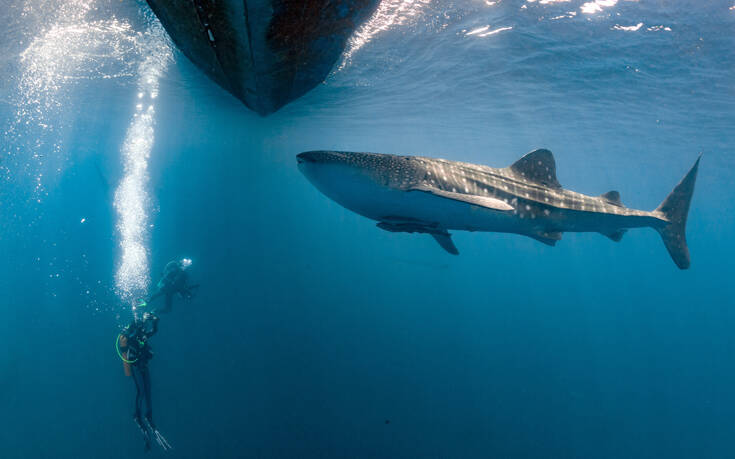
(316, 334)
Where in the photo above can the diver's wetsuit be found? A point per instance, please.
(175, 280)
(139, 351)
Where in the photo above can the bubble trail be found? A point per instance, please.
(132, 200)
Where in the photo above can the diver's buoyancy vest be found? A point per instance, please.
(138, 348)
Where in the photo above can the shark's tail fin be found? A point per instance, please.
(675, 209)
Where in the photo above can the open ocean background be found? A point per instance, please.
(312, 327)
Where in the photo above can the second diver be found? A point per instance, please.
(175, 280)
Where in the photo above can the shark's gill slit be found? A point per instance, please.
(132, 200)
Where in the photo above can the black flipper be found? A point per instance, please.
(445, 240)
(537, 166)
(160, 439)
(145, 432)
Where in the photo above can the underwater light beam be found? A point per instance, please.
(74, 48)
(132, 201)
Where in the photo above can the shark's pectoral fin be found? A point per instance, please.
(476, 200)
(405, 225)
(445, 240)
(547, 237)
(614, 235)
(537, 166)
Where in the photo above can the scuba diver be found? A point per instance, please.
(135, 352)
(175, 280)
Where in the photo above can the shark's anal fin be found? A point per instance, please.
(475, 200)
(445, 241)
(537, 166)
(614, 235)
(441, 236)
(612, 197)
(546, 237)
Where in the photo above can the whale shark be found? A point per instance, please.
(415, 194)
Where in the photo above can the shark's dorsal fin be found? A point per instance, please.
(612, 197)
(538, 166)
(475, 200)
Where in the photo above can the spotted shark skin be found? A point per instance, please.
(416, 194)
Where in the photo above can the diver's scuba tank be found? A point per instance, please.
(126, 367)
(123, 342)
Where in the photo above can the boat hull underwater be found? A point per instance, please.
(264, 52)
(424, 195)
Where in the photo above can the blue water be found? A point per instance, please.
(316, 334)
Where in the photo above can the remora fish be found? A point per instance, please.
(424, 195)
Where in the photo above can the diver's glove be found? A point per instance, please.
(150, 316)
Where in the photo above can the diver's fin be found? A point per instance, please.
(145, 432)
(612, 197)
(160, 439)
(614, 235)
(675, 209)
(537, 166)
(445, 240)
(475, 200)
(547, 237)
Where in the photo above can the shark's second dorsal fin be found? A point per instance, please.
(538, 166)
(612, 197)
